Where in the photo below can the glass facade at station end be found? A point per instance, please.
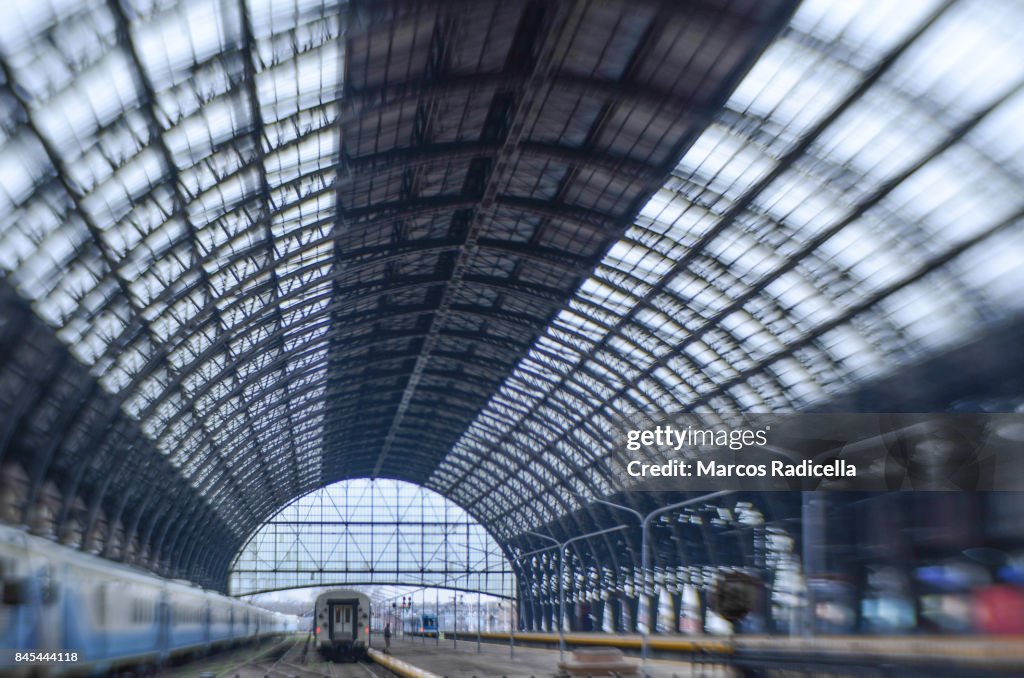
(363, 532)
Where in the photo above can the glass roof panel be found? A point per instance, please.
(830, 208)
(362, 532)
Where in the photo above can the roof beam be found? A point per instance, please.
(463, 151)
(530, 100)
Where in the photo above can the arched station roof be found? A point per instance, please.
(251, 248)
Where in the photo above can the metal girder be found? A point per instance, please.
(20, 418)
(383, 254)
(364, 101)
(375, 288)
(867, 302)
(359, 319)
(731, 213)
(55, 159)
(73, 195)
(381, 213)
(211, 350)
(277, 364)
(468, 251)
(463, 151)
(540, 255)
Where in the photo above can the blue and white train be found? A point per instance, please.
(424, 624)
(63, 611)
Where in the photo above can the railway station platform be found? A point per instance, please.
(462, 660)
(536, 654)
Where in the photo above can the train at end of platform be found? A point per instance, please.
(341, 625)
(420, 625)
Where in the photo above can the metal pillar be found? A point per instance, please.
(561, 546)
(511, 629)
(645, 522)
(812, 515)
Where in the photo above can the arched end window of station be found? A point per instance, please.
(372, 532)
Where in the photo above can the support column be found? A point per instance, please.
(653, 608)
(702, 618)
(814, 548)
(633, 609)
(598, 611)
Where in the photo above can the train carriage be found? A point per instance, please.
(187, 621)
(341, 620)
(110, 616)
(424, 624)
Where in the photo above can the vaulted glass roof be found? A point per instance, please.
(298, 242)
(856, 204)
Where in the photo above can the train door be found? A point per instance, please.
(344, 619)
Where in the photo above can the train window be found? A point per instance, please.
(14, 592)
(348, 614)
(337, 615)
(142, 611)
(184, 615)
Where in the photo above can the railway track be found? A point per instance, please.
(290, 660)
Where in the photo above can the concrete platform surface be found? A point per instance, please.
(493, 661)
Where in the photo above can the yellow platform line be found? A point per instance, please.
(629, 642)
(404, 669)
(990, 648)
